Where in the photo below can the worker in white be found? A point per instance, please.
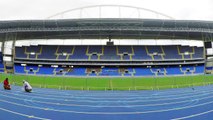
(27, 87)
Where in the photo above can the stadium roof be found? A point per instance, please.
(106, 28)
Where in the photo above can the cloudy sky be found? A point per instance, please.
(41, 9)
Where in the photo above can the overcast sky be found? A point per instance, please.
(41, 9)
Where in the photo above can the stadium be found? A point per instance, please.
(108, 68)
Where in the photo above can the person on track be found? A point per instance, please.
(7, 84)
(27, 87)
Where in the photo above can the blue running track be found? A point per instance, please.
(50, 104)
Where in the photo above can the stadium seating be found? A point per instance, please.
(140, 53)
(109, 52)
(111, 71)
(94, 52)
(63, 52)
(1, 63)
(79, 53)
(47, 52)
(171, 52)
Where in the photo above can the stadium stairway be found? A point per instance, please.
(33, 51)
(158, 71)
(187, 70)
(127, 71)
(155, 52)
(64, 52)
(125, 52)
(186, 52)
(94, 52)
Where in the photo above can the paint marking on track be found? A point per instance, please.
(39, 97)
(31, 116)
(147, 97)
(25, 115)
(109, 113)
(162, 97)
(46, 108)
(154, 104)
(194, 115)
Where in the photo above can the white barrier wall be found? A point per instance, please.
(209, 51)
(8, 51)
(0, 46)
(103, 42)
(8, 46)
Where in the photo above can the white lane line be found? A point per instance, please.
(73, 95)
(25, 115)
(92, 101)
(105, 94)
(107, 113)
(62, 104)
(194, 115)
(126, 98)
(86, 92)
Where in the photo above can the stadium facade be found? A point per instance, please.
(108, 57)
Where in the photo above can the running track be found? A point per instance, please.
(49, 104)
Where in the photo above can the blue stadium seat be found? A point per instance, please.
(140, 53)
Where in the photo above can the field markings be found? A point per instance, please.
(146, 100)
(95, 101)
(194, 115)
(62, 104)
(25, 115)
(108, 113)
(153, 95)
(90, 101)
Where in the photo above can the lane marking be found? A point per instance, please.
(151, 96)
(92, 101)
(125, 98)
(183, 90)
(25, 115)
(109, 113)
(62, 104)
(194, 115)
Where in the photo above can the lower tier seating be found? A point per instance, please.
(110, 71)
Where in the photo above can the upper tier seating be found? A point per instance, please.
(48, 52)
(94, 52)
(109, 52)
(171, 52)
(140, 53)
(1, 63)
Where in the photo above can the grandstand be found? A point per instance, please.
(155, 49)
(124, 67)
(133, 54)
(111, 48)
